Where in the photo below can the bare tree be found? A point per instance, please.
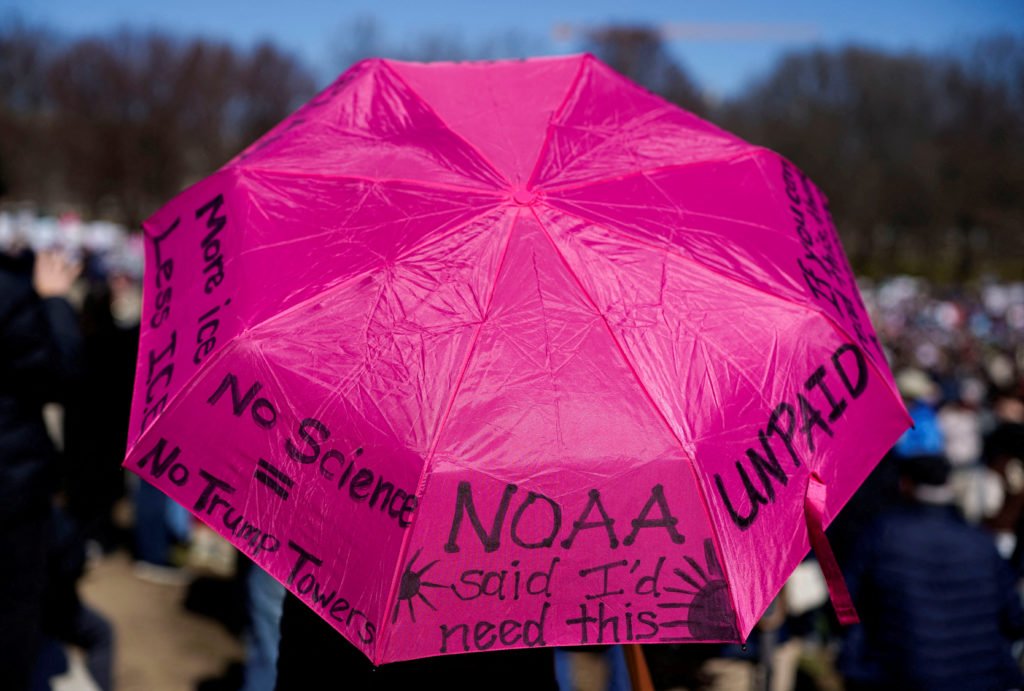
(922, 156)
(910, 148)
(25, 52)
(136, 116)
(640, 53)
(363, 38)
(981, 138)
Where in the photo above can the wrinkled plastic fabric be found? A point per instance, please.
(486, 356)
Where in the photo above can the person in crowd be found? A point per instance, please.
(264, 602)
(937, 603)
(39, 353)
(313, 655)
(1004, 454)
(592, 668)
(920, 395)
(66, 619)
(96, 416)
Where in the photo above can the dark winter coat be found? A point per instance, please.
(937, 602)
(315, 656)
(39, 345)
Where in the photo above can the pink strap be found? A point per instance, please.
(814, 512)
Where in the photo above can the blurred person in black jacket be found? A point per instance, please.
(96, 416)
(937, 602)
(66, 619)
(315, 656)
(39, 351)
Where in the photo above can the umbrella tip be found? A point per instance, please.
(523, 196)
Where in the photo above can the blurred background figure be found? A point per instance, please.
(921, 395)
(159, 527)
(66, 619)
(39, 359)
(95, 424)
(265, 601)
(599, 667)
(1004, 454)
(938, 604)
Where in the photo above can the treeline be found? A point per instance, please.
(922, 156)
(116, 125)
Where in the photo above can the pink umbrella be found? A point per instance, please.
(485, 356)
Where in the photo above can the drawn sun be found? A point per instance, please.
(710, 615)
(411, 584)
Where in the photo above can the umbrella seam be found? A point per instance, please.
(270, 321)
(555, 116)
(670, 248)
(711, 128)
(426, 104)
(369, 65)
(614, 142)
(480, 211)
(690, 463)
(753, 156)
(749, 153)
(712, 132)
(259, 170)
(428, 461)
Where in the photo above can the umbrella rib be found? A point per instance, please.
(549, 132)
(708, 216)
(751, 152)
(755, 156)
(427, 462)
(480, 211)
(426, 104)
(585, 61)
(696, 214)
(643, 387)
(302, 175)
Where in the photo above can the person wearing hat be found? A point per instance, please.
(920, 394)
(937, 602)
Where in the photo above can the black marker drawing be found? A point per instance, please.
(271, 479)
(710, 615)
(412, 582)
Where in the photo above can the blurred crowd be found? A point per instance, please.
(110, 248)
(958, 356)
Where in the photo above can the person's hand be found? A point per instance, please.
(54, 273)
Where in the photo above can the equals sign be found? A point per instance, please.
(274, 479)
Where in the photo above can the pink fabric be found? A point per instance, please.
(484, 356)
(814, 507)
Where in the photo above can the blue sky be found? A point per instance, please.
(722, 43)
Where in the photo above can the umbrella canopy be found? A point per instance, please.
(510, 354)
